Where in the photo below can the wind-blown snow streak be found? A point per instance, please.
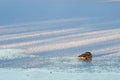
(60, 39)
(35, 34)
(72, 43)
(47, 22)
(111, 1)
(66, 41)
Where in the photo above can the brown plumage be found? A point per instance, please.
(87, 56)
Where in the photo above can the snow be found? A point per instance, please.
(37, 74)
(48, 50)
(11, 53)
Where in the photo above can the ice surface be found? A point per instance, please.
(11, 53)
(42, 74)
(52, 54)
(48, 50)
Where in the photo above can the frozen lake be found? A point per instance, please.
(38, 74)
(31, 52)
(42, 41)
(60, 68)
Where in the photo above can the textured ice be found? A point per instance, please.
(43, 74)
(11, 53)
(64, 64)
(49, 50)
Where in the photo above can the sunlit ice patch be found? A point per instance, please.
(11, 53)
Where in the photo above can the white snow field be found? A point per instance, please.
(48, 50)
